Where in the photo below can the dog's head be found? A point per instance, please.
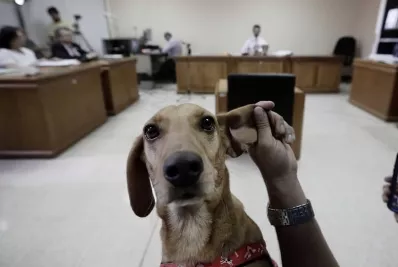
(182, 152)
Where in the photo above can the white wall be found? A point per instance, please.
(93, 24)
(219, 26)
(366, 25)
(7, 14)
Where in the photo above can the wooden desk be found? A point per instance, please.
(221, 93)
(320, 74)
(257, 64)
(43, 115)
(200, 74)
(374, 88)
(119, 84)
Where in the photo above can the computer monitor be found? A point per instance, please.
(118, 46)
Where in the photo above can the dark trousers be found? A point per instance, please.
(167, 71)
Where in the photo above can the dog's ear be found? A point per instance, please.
(138, 184)
(238, 130)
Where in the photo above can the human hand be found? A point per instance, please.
(272, 152)
(91, 55)
(387, 192)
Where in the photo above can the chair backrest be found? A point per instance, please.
(346, 47)
(244, 89)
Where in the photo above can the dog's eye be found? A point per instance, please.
(151, 132)
(207, 124)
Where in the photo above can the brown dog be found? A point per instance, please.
(182, 154)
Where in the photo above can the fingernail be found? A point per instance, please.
(283, 128)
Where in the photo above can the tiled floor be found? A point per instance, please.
(74, 211)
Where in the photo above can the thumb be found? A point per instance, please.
(263, 126)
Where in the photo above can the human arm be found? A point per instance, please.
(301, 245)
(84, 54)
(167, 47)
(81, 51)
(245, 49)
(5, 60)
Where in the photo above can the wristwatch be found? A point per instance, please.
(292, 216)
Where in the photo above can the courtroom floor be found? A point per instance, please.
(74, 211)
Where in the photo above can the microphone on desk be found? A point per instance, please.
(188, 45)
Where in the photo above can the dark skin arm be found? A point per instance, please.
(301, 245)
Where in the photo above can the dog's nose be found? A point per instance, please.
(183, 168)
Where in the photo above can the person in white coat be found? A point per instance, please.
(13, 54)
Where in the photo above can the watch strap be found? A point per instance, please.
(291, 216)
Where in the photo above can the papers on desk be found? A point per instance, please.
(58, 63)
(112, 56)
(388, 59)
(20, 71)
(7, 71)
(282, 53)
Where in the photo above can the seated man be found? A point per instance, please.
(173, 48)
(65, 48)
(256, 45)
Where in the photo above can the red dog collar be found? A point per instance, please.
(243, 255)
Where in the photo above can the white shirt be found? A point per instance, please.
(173, 48)
(253, 45)
(24, 58)
(72, 51)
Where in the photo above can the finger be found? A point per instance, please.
(386, 193)
(388, 179)
(385, 198)
(290, 136)
(267, 105)
(386, 190)
(263, 125)
(278, 123)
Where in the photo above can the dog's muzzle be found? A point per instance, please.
(183, 168)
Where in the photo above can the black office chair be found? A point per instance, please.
(346, 47)
(244, 89)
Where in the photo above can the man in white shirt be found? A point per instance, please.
(173, 47)
(255, 45)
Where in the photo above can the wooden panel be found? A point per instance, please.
(271, 67)
(221, 96)
(182, 75)
(317, 73)
(328, 78)
(298, 120)
(306, 73)
(204, 75)
(73, 107)
(22, 121)
(374, 88)
(122, 85)
(134, 82)
(41, 117)
(247, 66)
